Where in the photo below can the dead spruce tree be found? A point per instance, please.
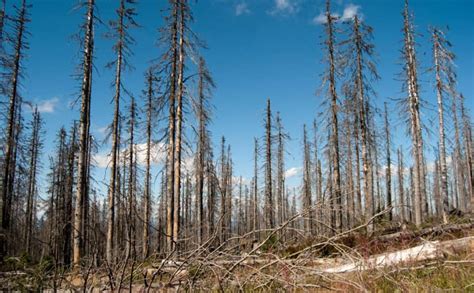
(203, 113)
(330, 77)
(388, 168)
(268, 207)
(281, 137)
(255, 222)
(412, 105)
(35, 145)
(306, 188)
(178, 38)
(468, 152)
(13, 64)
(358, 58)
(120, 33)
(443, 67)
(152, 111)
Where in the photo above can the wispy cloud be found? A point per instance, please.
(158, 155)
(241, 9)
(284, 7)
(348, 13)
(48, 106)
(292, 172)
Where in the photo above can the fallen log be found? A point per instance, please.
(446, 228)
(431, 250)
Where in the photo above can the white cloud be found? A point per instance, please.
(320, 19)
(48, 106)
(349, 12)
(292, 172)
(241, 9)
(284, 7)
(158, 155)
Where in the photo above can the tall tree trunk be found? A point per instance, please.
(15, 100)
(442, 148)
(147, 188)
(34, 152)
(336, 196)
(401, 187)
(171, 128)
(388, 170)
(415, 119)
(84, 125)
(269, 217)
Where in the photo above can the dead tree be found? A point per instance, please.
(269, 212)
(362, 71)
(205, 85)
(255, 222)
(443, 60)
(14, 69)
(332, 96)
(307, 205)
(468, 152)
(150, 111)
(412, 103)
(388, 170)
(34, 152)
(84, 125)
(401, 186)
(123, 40)
(131, 181)
(280, 180)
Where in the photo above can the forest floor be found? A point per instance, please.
(439, 257)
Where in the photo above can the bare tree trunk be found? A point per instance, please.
(467, 134)
(171, 128)
(442, 147)
(307, 205)
(179, 123)
(336, 196)
(388, 171)
(147, 187)
(84, 125)
(255, 191)
(131, 185)
(269, 217)
(31, 196)
(15, 100)
(415, 119)
(401, 187)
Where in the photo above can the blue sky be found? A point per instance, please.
(257, 49)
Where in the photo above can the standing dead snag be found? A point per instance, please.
(205, 85)
(413, 104)
(361, 69)
(336, 199)
(14, 108)
(269, 217)
(280, 180)
(170, 38)
(84, 125)
(469, 152)
(443, 60)
(401, 187)
(307, 205)
(255, 221)
(131, 181)
(388, 170)
(149, 95)
(34, 149)
(120, 27)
